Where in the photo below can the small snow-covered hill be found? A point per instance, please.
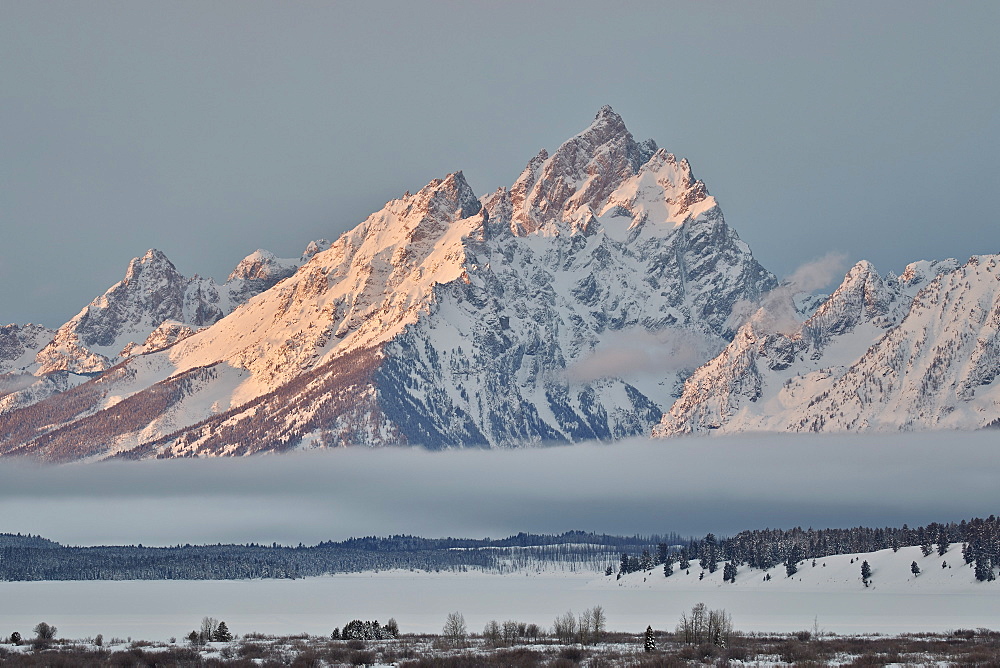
(840, 573)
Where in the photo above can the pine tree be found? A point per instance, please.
(668, 566)
(914, 568)
(650, 643)
(984, 570)
(729, 572)
(709, 556)
(222, 633)
(866, 572)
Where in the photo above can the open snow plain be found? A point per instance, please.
(832, 597)
(691, 486)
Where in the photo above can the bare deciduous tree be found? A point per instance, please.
(564, 627)
(208, 628)
(454, 628)
(705, 626)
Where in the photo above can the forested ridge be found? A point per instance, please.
(35, 558)
(766, 548)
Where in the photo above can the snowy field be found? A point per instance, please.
(832, 596)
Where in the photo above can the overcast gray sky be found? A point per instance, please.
(209, 129)
(690, 485)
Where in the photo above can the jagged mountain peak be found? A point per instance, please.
(443, 320)
(153, 260)
(314, 247)
(921, 272)
(255, 265)
(579, 176)
(451, 196)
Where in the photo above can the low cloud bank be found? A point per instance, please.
(776, 310)
(691, 485)
(639, 352)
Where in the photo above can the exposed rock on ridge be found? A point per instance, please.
(918, 351)
(441, 320)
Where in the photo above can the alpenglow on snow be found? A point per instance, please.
(441, 320)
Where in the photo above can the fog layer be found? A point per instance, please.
(692, 486)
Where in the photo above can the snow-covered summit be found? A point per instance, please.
(447, 320)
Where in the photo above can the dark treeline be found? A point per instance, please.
(766, 548)
(35, 558)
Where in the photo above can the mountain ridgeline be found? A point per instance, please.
(442, 320)
(600, 296)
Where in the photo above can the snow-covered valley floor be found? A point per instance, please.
(830, 597)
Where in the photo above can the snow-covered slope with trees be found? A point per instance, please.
(441, 320)
(917, 351)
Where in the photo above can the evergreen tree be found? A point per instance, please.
(708, 555)
(866, 572)
(729, 572)
(650, 642)
(623, 568)
(984, 570)
(684, 563)
(793, 559)
(15, 638)
(942, 545)
(668, 566)
(662, 552)
(645, 561)
(926, 548)
(914, 568)
(222, 633)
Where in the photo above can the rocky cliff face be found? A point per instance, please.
(917, 351)
(20, 343)
(441, 320)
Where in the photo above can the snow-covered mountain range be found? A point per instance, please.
(570, 306)
(883, 353)
(443, 319)
(152, 308)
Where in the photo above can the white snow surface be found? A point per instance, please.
(915, 352)
(831, 597)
